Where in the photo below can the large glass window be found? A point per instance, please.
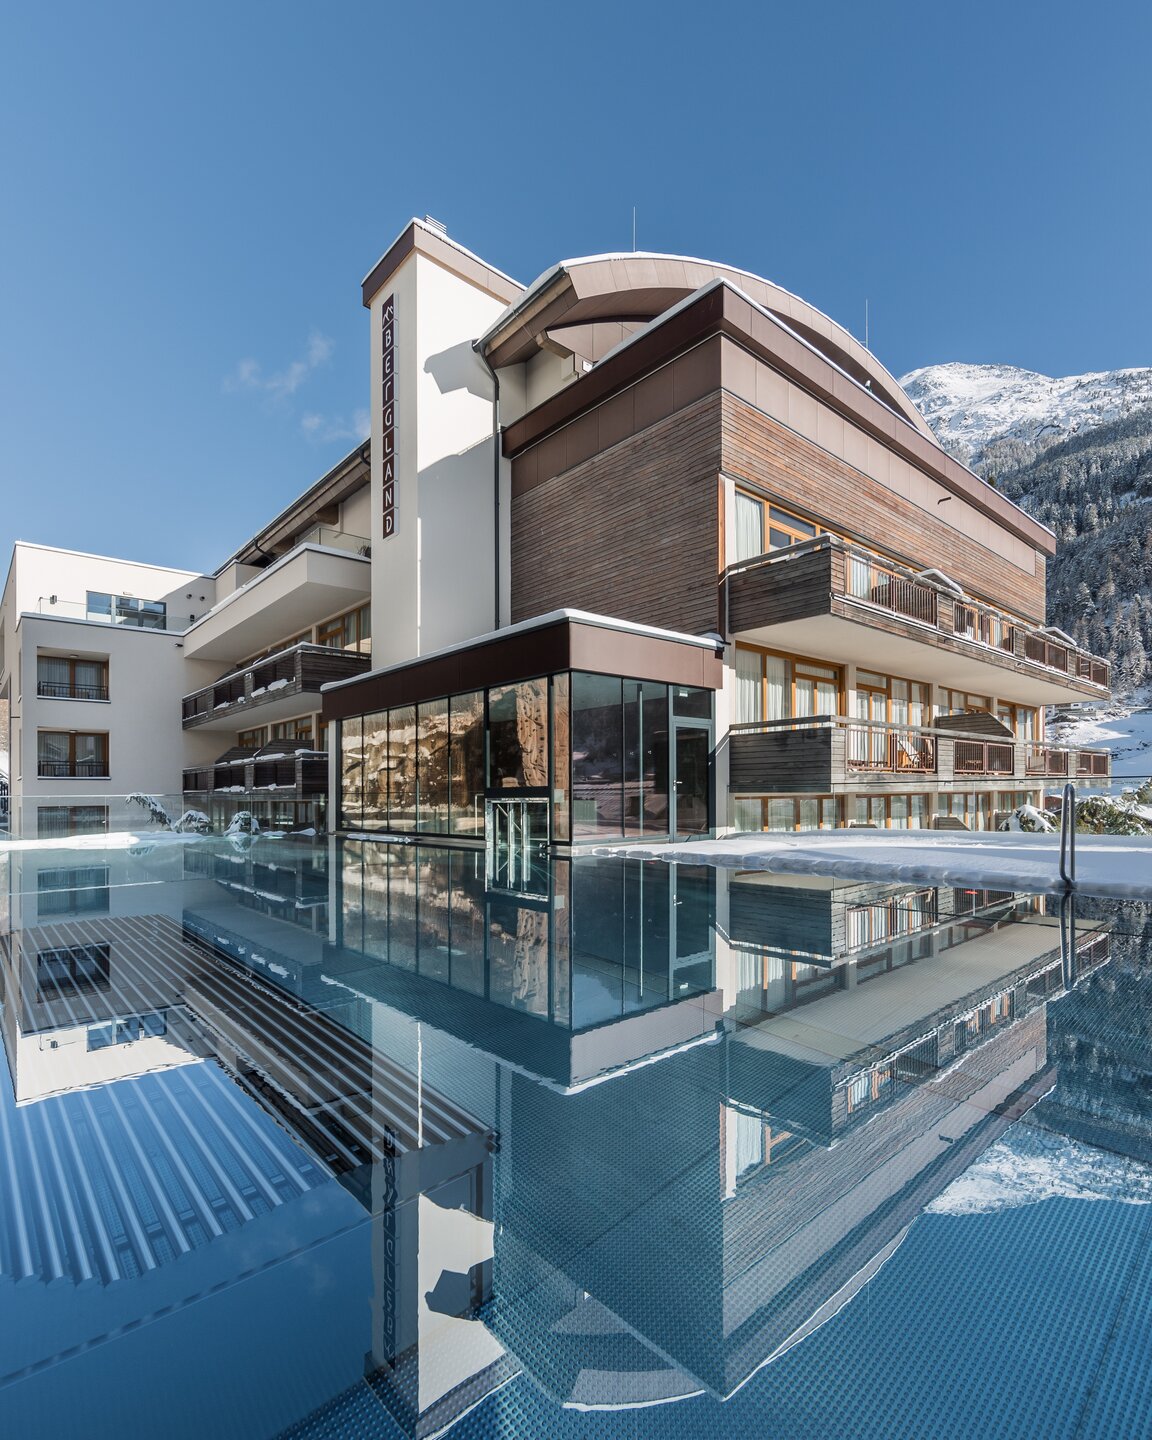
(402, 767)
(377, 768)
(72, 753)
(60, 677)
(561, 758)
(432, 765)
(352, 773)
(518, 735)
(645, 758)
(597, 755)
(126, 610)
(466, 764)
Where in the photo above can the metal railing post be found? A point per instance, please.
(1068, 837)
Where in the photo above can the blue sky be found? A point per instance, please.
(191, 196)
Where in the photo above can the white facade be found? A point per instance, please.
(45, 628)
(433, 578)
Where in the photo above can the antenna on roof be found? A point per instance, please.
(633, 229)
(866, 322)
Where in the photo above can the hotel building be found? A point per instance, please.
(657, 548)
(648, 548)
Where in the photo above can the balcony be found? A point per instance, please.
(827, 599)
(72, 769)
(835, 754)
(279, 770)
(62, 690)
(271, 688)
(311, 581)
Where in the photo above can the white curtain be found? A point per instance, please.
(776, 676)
(749, 687)
(749, 527)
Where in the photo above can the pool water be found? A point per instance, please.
(365, 1139)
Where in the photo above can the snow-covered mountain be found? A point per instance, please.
(969, 406)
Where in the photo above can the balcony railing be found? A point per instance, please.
(873, 747)
(924, 599)
(821, 750)
(62, 690)
(877, 584)
(984, 757)
(302, 669)
(281, 766)
(72, 769)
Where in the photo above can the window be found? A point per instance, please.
(127, 610)
(81, 890)
(789, 812)
(53, 821)
(783, 687)
(72, 753)
(352, 631)
(252, 739)
(959, 702)
(762, 526)
(299, 730)
(60, 677)
(894, 812)
(1022, 720)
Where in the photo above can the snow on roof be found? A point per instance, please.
(582, 617)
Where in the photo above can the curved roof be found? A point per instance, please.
(588, 306)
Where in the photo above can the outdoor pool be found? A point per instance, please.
(362, 1139)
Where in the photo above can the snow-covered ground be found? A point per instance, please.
(1128, 734)
(1107, 865)
(1028, 1164)
(968, 406)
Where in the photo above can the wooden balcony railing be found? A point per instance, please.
(821, 750)
(856, 575)
(878, 585)
(300, 670)
(984, 757)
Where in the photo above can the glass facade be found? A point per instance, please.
(596, 746)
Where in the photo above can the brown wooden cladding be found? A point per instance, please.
(563, 644)
(775, 594)
(758, 449)
(630, 531)
(786, 762)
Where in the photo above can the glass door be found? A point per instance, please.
(692, 789)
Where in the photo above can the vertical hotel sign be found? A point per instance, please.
(388, 412)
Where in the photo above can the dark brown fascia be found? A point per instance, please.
(447, 255)
(561, 645)
(720, 310)
(341, 481)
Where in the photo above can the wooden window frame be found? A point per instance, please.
(792, 660)
(70, 773)
(72, 661)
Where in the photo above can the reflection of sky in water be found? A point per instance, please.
(498, 1160)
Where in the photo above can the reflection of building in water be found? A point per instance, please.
(668, 1228)
(715, 1265)
(610, 962)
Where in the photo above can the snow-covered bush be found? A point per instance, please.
(156, 811)
(243, 823)
(1029, 819)
(193, 822)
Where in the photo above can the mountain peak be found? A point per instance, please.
(971, 406)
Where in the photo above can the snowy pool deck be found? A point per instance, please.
(1117, 867)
